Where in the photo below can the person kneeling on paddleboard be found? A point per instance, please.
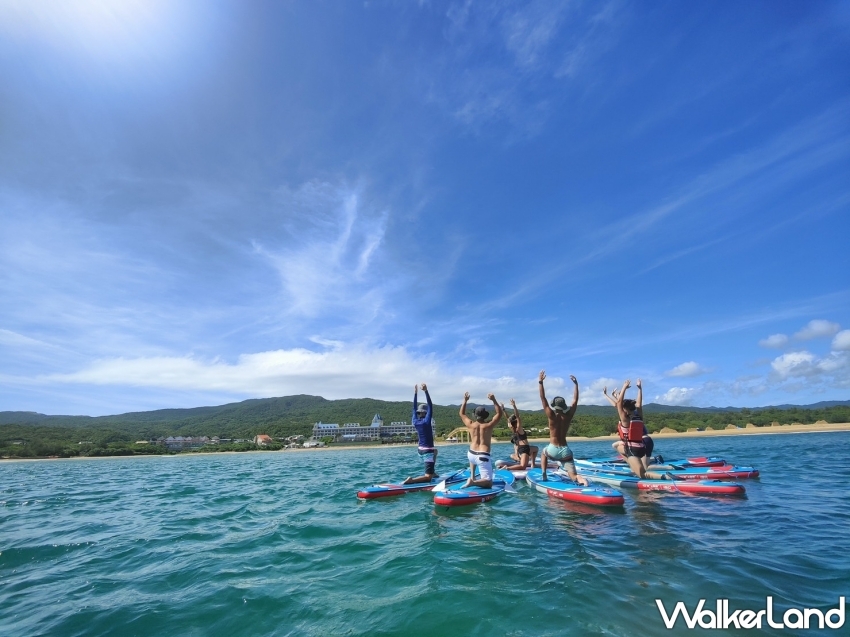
(632, 430)
(422, 416)
(560, 419)
(635, 411)
(480, 436)
(519, 439)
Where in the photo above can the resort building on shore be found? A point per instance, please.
(179, 443)
(376, 431)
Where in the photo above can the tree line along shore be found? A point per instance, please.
(32, 435)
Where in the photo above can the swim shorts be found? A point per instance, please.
(638, 450)
(481, 459)
(428, 455)
(649, 444)
(564, 455)
(521, 449)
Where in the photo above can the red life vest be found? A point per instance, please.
(633, 432)
(636, 430)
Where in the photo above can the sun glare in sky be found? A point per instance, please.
(202, 202)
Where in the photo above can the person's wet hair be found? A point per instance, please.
(629, 404)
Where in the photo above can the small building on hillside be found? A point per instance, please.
(262, 440)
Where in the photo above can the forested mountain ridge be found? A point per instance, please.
(289, 415)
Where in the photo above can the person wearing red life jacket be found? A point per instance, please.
(623, 430)
(632, 429)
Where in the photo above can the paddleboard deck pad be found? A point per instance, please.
(661, 463)
(459, 496)
(561, 487)
(723, 472)
(389, 490)
(694, 487)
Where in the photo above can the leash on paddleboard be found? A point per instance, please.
(672, 479)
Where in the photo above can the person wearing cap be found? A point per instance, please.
(480, 436)
(422, 416)
(560, 417)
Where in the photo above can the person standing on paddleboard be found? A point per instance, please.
(422, 416)
(560, 418)
(480, 436)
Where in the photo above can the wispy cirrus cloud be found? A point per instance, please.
(327, 263)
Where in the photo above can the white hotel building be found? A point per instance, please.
(353, 432)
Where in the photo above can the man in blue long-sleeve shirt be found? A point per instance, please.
(422, 416)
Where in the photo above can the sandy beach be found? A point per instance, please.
(757, 431)
(742, 431)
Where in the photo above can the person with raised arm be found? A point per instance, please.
(632, 430)
(560, 417)
(422, 415)
(520, 440)
(480, 437)
(648, 442)
(622, 430)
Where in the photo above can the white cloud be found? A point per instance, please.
(341, 371)
(677, 396)
(841, 341)
(691, 368)
(775, 341)
(817, 329)
(804, 367)
(794, 364)
(591, 394)
(834, 362)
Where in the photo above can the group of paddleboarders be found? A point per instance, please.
(634, 444)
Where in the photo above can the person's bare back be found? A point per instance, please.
(560, 417)
(480, 438)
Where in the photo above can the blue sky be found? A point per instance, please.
(202, 202)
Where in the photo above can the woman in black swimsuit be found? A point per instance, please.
(520, 439)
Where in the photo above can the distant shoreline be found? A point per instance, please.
(758, 431)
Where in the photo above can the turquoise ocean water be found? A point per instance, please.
(277, 544)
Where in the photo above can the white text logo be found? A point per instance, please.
(722, 619)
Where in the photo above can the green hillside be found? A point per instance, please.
(29, 434)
